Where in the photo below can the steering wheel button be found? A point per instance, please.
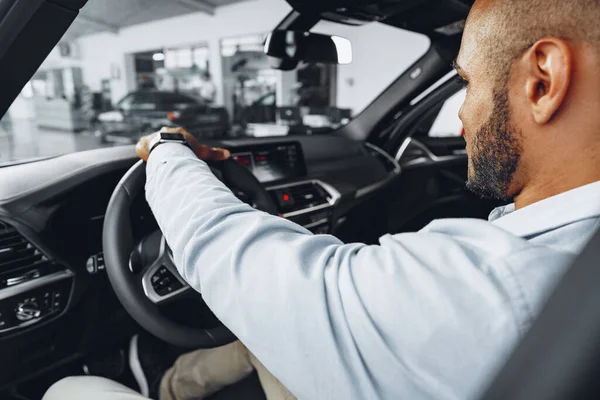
(176, 285)
(165, 281)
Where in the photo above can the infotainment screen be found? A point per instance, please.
(272, 162)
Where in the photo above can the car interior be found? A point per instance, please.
(79, 244)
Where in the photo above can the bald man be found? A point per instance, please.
(429, 315)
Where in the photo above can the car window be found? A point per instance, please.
(144, 101)
(269, 100)
(143, 49)
(176, 101)
(125, 103)
(447, 123)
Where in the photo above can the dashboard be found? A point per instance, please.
(272, 162)
(55, 292)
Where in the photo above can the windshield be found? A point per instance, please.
(127, 68)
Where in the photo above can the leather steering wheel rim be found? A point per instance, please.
(118, 242)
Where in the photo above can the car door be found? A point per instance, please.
(434, 163)
(144, 108)
(202, 120)
(173, 102)
(114, 122)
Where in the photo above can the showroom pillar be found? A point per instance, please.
(130, 76)
(286, 84)
(216, 69)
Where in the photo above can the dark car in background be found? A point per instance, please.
(141, 112)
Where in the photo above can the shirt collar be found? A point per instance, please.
(551, 213)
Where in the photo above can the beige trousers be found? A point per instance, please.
(200, 373)
(194, 376)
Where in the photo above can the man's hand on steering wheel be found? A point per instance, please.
(142, 149)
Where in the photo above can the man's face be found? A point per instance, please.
(492, 136)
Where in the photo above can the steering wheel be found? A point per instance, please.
(144, 276)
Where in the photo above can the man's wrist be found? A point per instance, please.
(167, 152)
(166, 137)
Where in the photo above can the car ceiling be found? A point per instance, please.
(430, 17)
(423, 16)
(112, 15)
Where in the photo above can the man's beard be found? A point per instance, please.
(496, 152)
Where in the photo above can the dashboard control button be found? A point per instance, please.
(91, 265)
(4, 320)
(28, 310)
(95, 263)
(100, 261)
(57, 301)
(47, 301)
(285, 199)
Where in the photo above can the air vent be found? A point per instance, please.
(18, 256)
(308, 195)
(413, 152)
(388, 162)
(300, 197)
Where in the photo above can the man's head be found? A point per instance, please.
(533, 100)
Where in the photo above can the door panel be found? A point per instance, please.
(434, 172)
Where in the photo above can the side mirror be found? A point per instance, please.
(292, 46)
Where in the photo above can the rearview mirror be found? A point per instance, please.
(309, 47)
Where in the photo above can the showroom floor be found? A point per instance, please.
(22, 139)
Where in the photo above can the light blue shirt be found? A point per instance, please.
(427, 315)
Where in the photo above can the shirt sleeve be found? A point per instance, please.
(330, 320)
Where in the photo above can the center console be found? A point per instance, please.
(307, 202)
(33, 289)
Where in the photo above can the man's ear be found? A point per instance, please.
(549, 69)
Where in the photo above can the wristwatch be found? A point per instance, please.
(164, 137)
